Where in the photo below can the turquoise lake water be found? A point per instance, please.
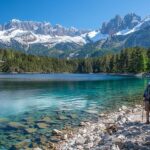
(59, 97)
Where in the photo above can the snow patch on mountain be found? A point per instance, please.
(7, 35)
(92, 34)
(28, 37)
(123, 32)
(15, 20)
(97, 35)
(127, 31)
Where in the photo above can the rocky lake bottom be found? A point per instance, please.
(122, 129)
(37, 129)
(43, 115)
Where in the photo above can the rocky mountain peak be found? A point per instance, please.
(131, 20)
(112, 26)
(44, 28)
(36, 27)
(119, 23)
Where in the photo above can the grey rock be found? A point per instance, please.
(64, 137)
(80, 141)
(88, 146)
(117, 142)
(37, 148)
(118, 23)
(89, 139)
(56, 132)
(82, 124)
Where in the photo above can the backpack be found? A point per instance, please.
(147, 93)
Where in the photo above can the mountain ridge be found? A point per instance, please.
(41, 38)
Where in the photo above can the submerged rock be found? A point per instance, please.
(28, 120)
(21, 145)
(42, 125)
(4, 120)
(45, 120)
(43, 139)
(30, 130)
(15, 125)
(73, 116)
(62, 117)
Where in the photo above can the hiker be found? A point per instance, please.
(147, 102)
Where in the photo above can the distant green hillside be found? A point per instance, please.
(130, 60)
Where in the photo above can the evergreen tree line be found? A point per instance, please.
(130, 60)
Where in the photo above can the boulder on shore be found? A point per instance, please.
(56, 132)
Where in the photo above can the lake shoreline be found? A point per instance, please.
(122, 74)
(115, 131)
(63, 76)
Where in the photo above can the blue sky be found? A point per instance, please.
(82, 14)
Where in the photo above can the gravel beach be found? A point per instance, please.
(120, 130)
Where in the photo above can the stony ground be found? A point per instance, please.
(121, 130)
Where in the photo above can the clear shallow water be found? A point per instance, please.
(54, 95)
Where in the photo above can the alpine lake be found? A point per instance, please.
(32, 105)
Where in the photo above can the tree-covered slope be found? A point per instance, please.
(130, 60)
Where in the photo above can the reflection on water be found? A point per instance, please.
(84, 96)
